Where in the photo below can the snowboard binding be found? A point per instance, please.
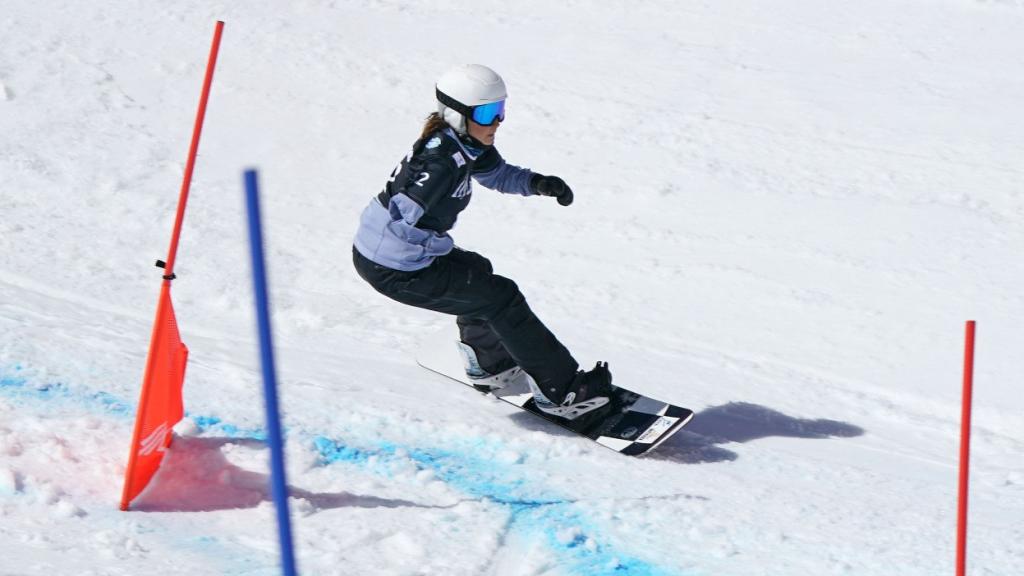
(481, 379)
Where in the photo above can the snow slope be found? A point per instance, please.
(784, 213)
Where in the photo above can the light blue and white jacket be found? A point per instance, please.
(406, 226)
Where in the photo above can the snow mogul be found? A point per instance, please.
(402, 247)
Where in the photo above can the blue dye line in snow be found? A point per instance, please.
(463, 470)
(14, 383)
(212, 423)
(19, 384)
(484, 479)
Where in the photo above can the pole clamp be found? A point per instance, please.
(162, 264)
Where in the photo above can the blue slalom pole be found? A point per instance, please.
(279, 485)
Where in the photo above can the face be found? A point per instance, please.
(484, 134)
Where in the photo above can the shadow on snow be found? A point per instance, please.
(197, 477)
(699, 442)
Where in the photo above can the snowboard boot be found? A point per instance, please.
(481, 379)
(586, 392)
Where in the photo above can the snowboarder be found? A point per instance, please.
(402, 247)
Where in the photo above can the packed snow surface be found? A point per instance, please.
(785, 211)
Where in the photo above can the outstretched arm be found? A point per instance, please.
(492, 171)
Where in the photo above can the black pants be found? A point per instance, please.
(492, 314)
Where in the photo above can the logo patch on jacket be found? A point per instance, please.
(433, 142)
(465, 189)
(460, 161)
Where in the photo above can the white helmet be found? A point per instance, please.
(464, 87)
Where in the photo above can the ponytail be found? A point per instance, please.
(433, 123)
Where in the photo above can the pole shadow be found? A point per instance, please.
(197, 477)
(700, 441)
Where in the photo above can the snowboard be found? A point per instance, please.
(631, 423)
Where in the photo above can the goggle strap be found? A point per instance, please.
(453, 103)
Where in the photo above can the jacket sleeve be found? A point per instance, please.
(491, 171)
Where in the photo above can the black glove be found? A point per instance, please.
(552, 186)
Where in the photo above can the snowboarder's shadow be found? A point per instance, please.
(196, 476)
(699, 442)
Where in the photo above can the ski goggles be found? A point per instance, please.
(486, 114)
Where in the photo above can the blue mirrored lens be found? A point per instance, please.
(485, 114)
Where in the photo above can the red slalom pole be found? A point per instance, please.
(186, 182)
(965, 451)
(160, 402)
